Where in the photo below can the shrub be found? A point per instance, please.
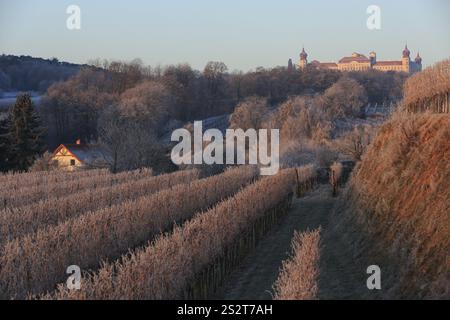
(299, 275)
(43, 163)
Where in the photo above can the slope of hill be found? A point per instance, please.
(396, 207)
(26, 73)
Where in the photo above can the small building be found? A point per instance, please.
(80, 156)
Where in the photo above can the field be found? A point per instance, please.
(170, 229)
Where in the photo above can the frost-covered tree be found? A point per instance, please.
(345, 98)
(250, 114)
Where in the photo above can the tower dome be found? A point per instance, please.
(406, 52)
(418, 59)
(303, 55)
(373, 58)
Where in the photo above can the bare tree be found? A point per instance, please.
(71, 108)
(214, 75)
(182, 83)
(345, 98)
(355, 143)
(250, 114)
(149, 102)
(112, 130)
(299, 118)
(132, 144)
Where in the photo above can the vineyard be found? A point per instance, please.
(19, 221)
(20, 190)
(298, 278)
(429, 90)
(135, 235)
(234, 235)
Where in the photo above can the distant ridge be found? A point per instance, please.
(26, 73)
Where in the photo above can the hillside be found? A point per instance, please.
(26, 73)
(395, 211)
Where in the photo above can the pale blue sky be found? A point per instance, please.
(242, 33)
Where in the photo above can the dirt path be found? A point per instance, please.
(340, 276)
(259, 270)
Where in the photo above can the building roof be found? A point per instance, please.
(360, 58)
(418, 59)
(406, 52)
(303, 54)
(323, 64)
(327, 64)
(87, 154)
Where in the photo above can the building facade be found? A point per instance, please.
(359, 62)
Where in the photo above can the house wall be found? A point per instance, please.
(386, 68)
(64, 159)
(303, 63)
(354, 66)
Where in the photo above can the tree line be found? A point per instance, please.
(128, 107)
(26, 73)
(155, 96)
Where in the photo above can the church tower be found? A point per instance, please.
(290, 66)
(303, 59)
(406, 60)
(373, 58)
(418, 62)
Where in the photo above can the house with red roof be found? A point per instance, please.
(80, 156)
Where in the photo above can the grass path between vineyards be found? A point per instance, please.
(256, 275)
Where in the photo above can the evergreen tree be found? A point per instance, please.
(26, 134)
(5, 144)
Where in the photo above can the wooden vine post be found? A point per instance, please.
(298, 183)
(334, 183)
